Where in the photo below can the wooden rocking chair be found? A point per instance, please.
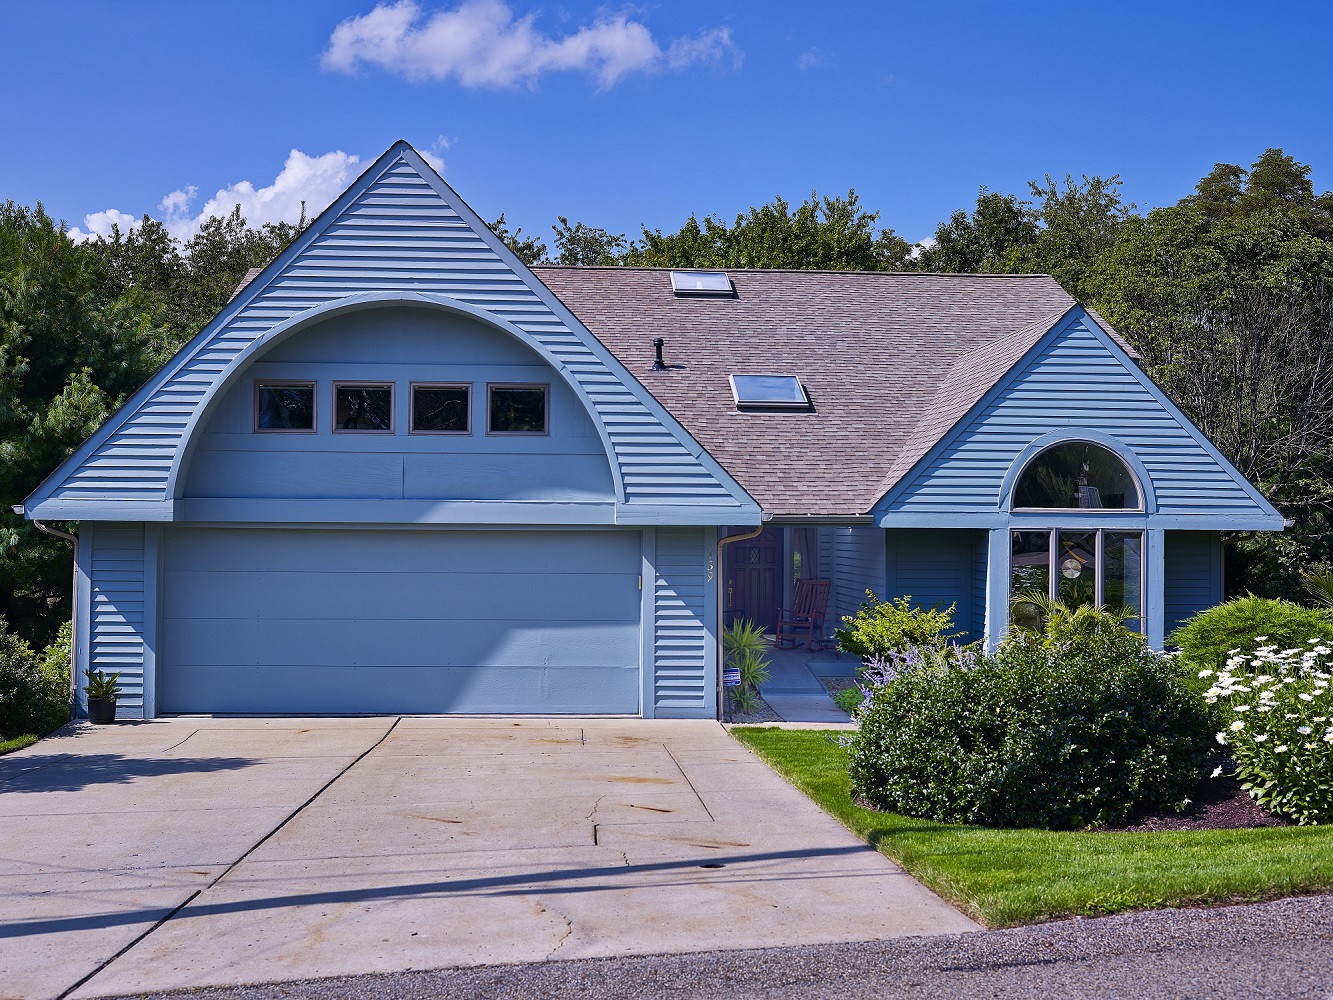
(805, 618)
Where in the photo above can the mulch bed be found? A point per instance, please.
(1218, 804)
(762, 713)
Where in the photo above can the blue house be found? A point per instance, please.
(402, 472)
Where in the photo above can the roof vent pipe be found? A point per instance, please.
(658, 364)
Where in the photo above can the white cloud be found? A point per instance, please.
(919, 248)
(481, 43)
(435, 155)
(811, 59)
(314, 180)
(100, 223)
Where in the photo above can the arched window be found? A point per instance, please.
(1077, 475)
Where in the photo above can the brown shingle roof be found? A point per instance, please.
(890, 362)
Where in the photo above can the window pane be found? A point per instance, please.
(1029, 570)
(1076, 567)
(441, 408)
(1122, 556)
(1077, 475)
(518, 410)
(364, 407)
(285, 407)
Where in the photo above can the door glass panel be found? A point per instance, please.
(1122, 554)
(1030, 563)
(1076, 567)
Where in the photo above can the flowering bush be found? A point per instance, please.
(1277, 713)
(1055, 730)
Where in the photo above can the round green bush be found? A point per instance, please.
(1207, 639)
(1085, 731)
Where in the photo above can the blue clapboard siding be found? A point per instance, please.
(859, 565)
(396, 231)
(1073, 381)
(684, 645)
(937, 567)
(430, 621)
(117, 614)
(400, 346)
(1193, 580)
(980, 557)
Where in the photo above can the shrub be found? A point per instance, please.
(1208, 639)
(744, 647)
(884, 627)
(1056, 734)
(34, 693)
(849, 699)
(1277, 717)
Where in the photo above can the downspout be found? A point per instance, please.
(73, 599)
(721, 653)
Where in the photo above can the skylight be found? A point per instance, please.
(700, 283)
(768, 391)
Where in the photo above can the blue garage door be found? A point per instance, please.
(313, 621)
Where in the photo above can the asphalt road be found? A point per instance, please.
(1282, 949)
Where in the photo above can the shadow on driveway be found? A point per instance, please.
(63, 772)
(609, 877)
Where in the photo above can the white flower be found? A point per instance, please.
(1217, 772)
(1280, 748)
(1205, 673)
(1260, 737)
(1305, 697)
(1303, 730)
(1237, 726)
(1242, 708)
(1222, 738)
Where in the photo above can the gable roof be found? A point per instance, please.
(890, 362)
(399, 234)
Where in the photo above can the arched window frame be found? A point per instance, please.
(1147, 496)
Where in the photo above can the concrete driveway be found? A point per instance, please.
(199, 851)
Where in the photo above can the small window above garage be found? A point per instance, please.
(705, 283)
(768, 392)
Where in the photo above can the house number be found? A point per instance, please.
(710, 567)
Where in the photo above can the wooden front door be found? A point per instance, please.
(753, 583)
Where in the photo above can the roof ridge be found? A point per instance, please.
(635, 268)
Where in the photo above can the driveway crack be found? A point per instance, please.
(179, 742)
(569, 929)
(231, 867)
(689, 782)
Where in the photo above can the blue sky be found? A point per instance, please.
(625, 115)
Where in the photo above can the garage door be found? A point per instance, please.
(296, 621)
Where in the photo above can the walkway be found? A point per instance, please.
(794, 691)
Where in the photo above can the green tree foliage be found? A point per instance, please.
(990, 239)
(529, 249)
(69, 354)
(1228, 297)
(835, 234)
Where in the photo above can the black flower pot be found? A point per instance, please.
(102, 711)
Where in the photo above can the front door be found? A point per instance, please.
(754, 578)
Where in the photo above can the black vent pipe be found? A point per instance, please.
(659, 365)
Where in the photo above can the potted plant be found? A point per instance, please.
(102, 691)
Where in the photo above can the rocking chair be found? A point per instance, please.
(805, 618)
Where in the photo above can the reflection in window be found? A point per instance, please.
(441, 409)
(1077, 475)
(1099, 567)
(517, 409)
(363, 407)
(1122, 586)
(285, 406)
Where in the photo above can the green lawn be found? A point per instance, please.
(1007, 877)
(17, 743)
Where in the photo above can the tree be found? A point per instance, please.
(990, 239)
(834, 234)
(530, 250)
(583, 246)
(69, 355)
(1226, 297)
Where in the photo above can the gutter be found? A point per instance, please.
(765, 521)
(788, 520)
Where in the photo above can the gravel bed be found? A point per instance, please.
(1274, 950)
(762, 713)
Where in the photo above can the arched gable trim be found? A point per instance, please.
(364, 301)
(1065, 434)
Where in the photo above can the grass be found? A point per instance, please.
(17, 743)
(1008, 877)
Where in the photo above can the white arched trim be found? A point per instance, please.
(1072, 434)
